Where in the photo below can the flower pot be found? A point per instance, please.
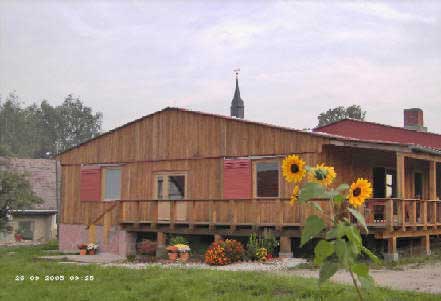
(172, 256)
(92, 252)
(83, 252)
(184, 256)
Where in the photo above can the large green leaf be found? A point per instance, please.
(327, 270)
(371, 255)
(323, 250)
(313, 226)
(361, 269)
(359, 218)
(354, 237)
(338, 231)
(311, 191)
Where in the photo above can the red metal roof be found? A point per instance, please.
(380, 132)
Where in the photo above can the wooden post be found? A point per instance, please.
(161, 239)
(413, 214)
(425, 244)
(172, 214)
(432, 180)
(402, 214)
(285, 247)
(92, 234)
(392, 254)
(389, 215)
(423, 214)
(401, 176)
(434, 214)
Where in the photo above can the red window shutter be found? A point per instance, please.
(237, 179)
(90, 183)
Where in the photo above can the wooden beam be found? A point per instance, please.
(424, 214)
(432, 180)
(390, 215)
(425, 244)
(401, 176)
(392, 245)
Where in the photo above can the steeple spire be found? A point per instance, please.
(237, 105)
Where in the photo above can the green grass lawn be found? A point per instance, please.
(162, 284)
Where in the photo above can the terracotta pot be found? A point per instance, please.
(184, 256)
(172, 256)
(92, 252)
(83, 252)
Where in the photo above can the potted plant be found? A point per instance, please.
(172, 253)
(91, 248)
(83, 249)
(184, 252)
(18, 235)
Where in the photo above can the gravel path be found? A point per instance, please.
(276, 265)
(425, 278)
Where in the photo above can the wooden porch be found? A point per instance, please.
(384, 217)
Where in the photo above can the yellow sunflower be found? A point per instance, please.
(294, 195)
(359, 192)
(322, 174)
(293, 168)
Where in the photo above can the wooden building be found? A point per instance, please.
(180, 171)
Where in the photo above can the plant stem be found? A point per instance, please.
(356, 285)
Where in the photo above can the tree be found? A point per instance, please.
(77, 123)
(15, 194)
(339, 113)
(38, 131)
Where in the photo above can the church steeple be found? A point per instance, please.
(237, 105)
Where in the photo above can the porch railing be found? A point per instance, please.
(379, 213)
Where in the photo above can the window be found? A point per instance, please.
(170, 187)
(112, 184)
(384, 183)
(27, 229)
(267, 179)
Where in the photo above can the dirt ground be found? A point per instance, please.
(420, 278)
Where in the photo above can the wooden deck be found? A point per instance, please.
(384, 217)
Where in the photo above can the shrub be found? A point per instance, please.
(267, 241)
(178, 240)
(234, 250)
(224, 252)
(146, 247)
(215, 255)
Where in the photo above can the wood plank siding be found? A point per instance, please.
(176, 140)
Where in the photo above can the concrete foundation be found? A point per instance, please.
(120, 241)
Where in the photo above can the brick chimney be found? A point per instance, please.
(414, 120)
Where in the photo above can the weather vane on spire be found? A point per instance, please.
(236, 71)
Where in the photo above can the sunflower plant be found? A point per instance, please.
(339, 242)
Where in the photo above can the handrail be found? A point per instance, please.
(102, 214)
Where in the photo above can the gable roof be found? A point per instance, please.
(371, 131)
(380, 143)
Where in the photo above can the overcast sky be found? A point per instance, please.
(297, 59)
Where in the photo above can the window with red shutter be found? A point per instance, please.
(237, 179)
(90, 183)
